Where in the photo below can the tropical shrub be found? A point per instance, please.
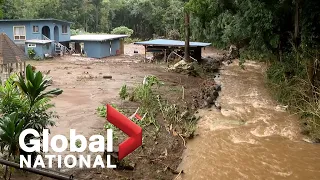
(31, 53)
(122, 30)
(24, 104)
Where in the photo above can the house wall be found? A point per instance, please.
(7, 27)
(47, 49)
(105, 49)
(40, 49)
(92, 49)
(115, 46)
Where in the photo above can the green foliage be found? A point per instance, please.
(102, 111)
(151, 104)
(31, 53)
(123, 93)
(10, 129)
(290, 85)
(122, 30)
(78, 143)
(77, 32)
(34, 86)
(131, 40)
(23, 105)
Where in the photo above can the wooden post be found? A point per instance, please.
(145, 53)
(165, 55)
(1, 68)
(20, 64)
(24, 68)
(17, 67)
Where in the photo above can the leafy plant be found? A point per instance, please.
(78, 143)
(102, 111)
(10, 129)
(24, 104)
(34, 84)
(123, 93)
(31, 53)
(122, 30)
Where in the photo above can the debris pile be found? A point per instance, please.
(207, 96)
(184, 68)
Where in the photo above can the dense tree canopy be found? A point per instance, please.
(264, 25)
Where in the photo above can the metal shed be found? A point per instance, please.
(166, 46)
(100, 45)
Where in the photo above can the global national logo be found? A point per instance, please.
(52, 147)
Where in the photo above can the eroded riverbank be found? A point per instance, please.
(252, 137)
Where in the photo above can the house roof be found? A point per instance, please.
(9, 51)
(174, 43)
(96, 37)
(26, 20)
(39, 41)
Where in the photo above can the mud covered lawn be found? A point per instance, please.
(85, 88)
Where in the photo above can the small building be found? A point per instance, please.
(22, 30)
(42, 48)
(99, 45)
(12, 58)
(167, 46)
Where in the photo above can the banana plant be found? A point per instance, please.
(34, 85)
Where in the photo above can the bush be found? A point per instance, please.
(24, 104)
(289, 84)
(122, 30)
(77, 32)
(31, 53)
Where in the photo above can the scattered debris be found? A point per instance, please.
(107, 77)
(184, 67)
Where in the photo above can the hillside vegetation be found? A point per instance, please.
(284, 33)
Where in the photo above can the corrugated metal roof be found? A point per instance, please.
(39, 41)
(168, 42)
(49, 19)
(9, 51)
(96, 37)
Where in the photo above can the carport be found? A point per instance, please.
(167, 46)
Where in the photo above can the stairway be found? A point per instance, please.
(59, 49)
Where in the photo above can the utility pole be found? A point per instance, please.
(187, 35)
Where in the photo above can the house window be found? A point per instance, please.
(64, 29)
(32, 45)
(19, 32)
(35, 29)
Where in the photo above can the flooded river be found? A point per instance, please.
(251, 138)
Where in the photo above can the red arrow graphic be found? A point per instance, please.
(127, 126)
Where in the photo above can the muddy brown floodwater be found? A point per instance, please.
(251, 138)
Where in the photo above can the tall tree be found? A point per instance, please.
(187, 33)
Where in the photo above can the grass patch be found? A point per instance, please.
(288, 81)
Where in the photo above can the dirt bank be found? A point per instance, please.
(251, 138)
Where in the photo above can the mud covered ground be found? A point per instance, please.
(85, 88)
